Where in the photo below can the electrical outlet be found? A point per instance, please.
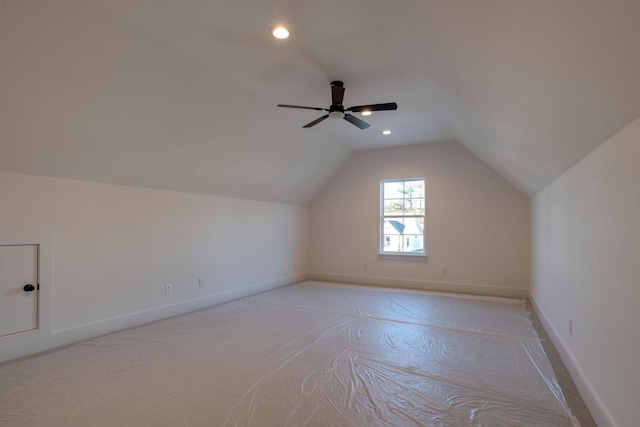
(366, 267)
(168, 288)
(200, 282)
(445, 271)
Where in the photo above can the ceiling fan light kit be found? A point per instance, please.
(336, 110)
(279, 32)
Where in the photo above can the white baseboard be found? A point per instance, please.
(425, 285)
(598, 411)
(43, 342)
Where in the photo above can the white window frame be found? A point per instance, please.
(420, 256)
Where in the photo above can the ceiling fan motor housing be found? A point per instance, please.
(336, 109)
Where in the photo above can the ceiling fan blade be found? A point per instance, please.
(316, 121)
(302, 107)
(337, 93)
(356, 121)
(374, 107)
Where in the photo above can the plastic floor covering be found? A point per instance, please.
(311, 354)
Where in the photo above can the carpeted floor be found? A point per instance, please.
(571, 393)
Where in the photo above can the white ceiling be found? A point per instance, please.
(182, 94)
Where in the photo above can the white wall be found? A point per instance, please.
(477, 224)
(116, 247)
(586, 268)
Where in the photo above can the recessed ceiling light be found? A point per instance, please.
(386, 132)
(366, 113)
(280, 32)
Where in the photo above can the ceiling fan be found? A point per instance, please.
(336, 109)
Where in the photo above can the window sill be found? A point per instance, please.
(403, 256)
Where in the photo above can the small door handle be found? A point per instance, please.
(29, 288)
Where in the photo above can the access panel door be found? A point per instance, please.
(18, 288)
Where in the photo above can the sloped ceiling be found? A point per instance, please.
(181, 94)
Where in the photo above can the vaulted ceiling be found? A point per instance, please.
(181, 94)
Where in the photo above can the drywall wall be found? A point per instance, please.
(586, 269)
(477, 225)
(115, 248)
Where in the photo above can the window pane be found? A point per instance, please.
(394, 226)
(393, 190)
(414, 206)
(393, 206)
(414, 189)
(391, 243)
(413, 226)
(414, 243)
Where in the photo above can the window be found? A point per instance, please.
(402, 213)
